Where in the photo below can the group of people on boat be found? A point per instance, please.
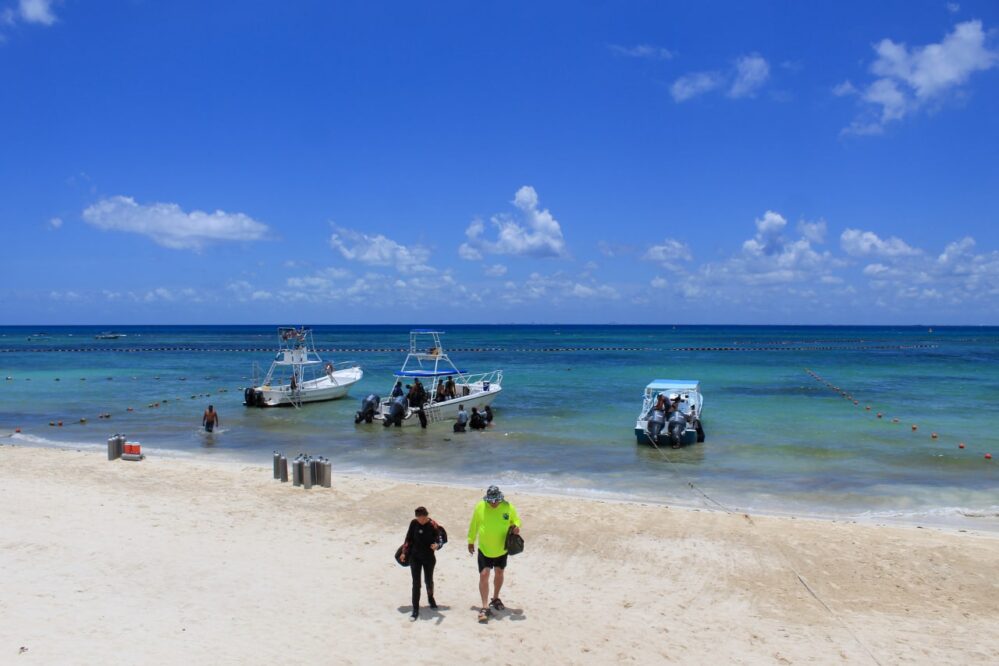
(673, 414)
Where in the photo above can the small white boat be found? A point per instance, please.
(671, 413)
(108, 335)
(298, 375)
(447, 387)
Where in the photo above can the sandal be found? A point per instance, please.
(483, 616)
(497, 604)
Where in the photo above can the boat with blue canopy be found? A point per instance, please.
(671, 413)
(429, 387)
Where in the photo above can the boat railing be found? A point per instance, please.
(486, 379)
(343, 365)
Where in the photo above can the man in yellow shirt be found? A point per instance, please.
(492, 518)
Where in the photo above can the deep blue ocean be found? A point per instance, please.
(778, 439)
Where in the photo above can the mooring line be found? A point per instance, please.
(674, 468)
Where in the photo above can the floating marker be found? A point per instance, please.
(914, 427)
(988, 456)
(933, 435)
(960, 445)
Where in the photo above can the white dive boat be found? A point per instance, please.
(298, 375)
(659, 425)
(445, 387)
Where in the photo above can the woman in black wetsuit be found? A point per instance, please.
(422, 541)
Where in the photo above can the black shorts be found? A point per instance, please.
(210, 426)
(492, 562)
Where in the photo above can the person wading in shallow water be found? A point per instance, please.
(420, 549)
(492, 518)
(210, 419)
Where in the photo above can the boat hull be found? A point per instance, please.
(318, 390)
(445, 412)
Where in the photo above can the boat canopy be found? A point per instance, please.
(430, 373)
(674, 385)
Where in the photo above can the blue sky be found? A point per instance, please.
(723, 162)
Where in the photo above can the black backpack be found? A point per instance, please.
(441, 534)
(514, 543)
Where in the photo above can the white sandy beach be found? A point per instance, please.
(169, 561)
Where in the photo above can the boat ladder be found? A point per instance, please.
(433, 413)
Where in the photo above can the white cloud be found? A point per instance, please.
(768, 263)
(669, 253)
(380, 250)
(909, 79)
(170, 226)
(814, 232)
(496, 270)
(953, 7)
(55, 223)
(538, 234)
(751, 72)
(744, 79)
(691, 85)
(615, 249)
(555, 288)
(68, 296)
(646, 51)
(659, 283)
(845, 88)
(36, 11)
(859, 243)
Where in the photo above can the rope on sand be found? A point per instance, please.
(801, 579)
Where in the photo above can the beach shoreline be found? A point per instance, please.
(954, 520)
(210, 560)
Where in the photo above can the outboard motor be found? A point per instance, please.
(369, 406)
(250, 397)
(677, 424)
(396, 412)
(656, 423)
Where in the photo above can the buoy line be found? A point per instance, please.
(471, 350)
(869, 408)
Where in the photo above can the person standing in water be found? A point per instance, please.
(210, 419)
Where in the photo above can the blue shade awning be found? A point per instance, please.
(428, 373)
(674, 385)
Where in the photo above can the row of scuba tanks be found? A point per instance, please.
(306, 471)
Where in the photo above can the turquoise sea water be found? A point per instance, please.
(778, 440)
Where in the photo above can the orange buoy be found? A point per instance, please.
(988, 456)
(933, 435)
(960, 445)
